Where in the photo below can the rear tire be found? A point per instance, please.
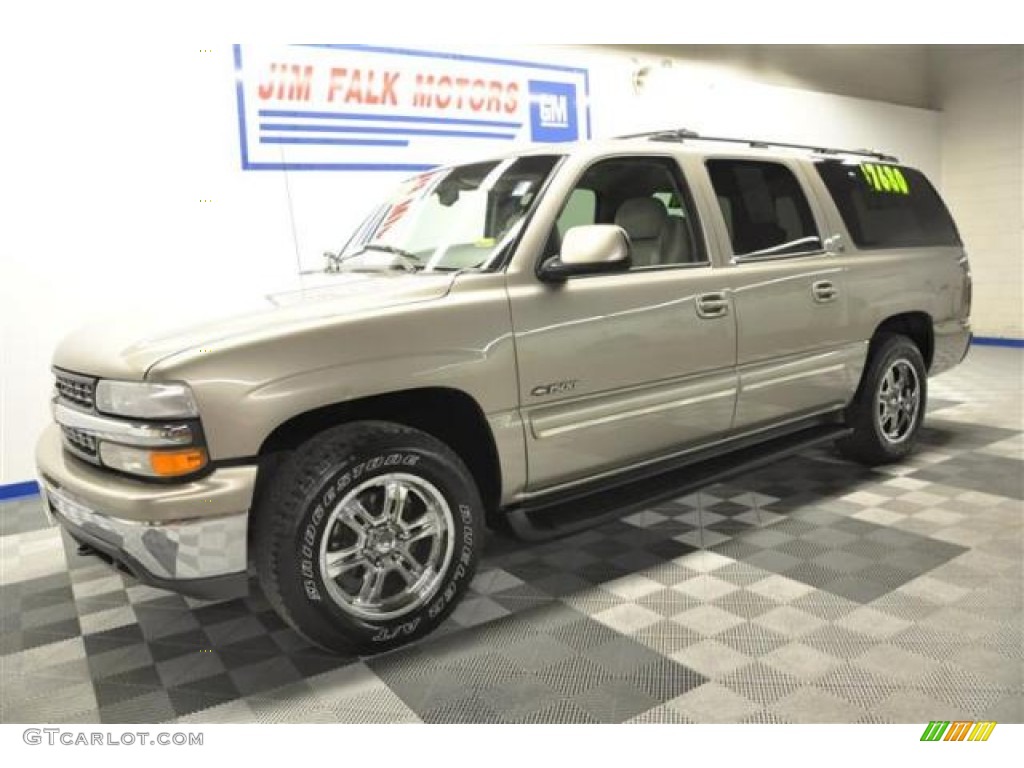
(888, 409)
(368, 537)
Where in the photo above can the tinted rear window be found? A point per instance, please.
(888, 206)
(765, 210)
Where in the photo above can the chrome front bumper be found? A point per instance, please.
(200, 551)
(203, 558)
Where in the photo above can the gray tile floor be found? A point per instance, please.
(813, 590)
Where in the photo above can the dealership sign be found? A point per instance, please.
(367, 108)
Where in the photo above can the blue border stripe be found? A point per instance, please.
(438, 55)
(18, 490)
(240, 98)
(392, 131)
(336, 142)
(388, 118)
(996, 341)
(340, 167)
(586, 98)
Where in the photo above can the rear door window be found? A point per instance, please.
(888, 206)
(765, 209)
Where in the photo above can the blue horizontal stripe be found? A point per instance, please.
(404, 167)
(997, 341)
(442, 56)
(393, 131)
(335, 142)
(17, 490)
(389, 118)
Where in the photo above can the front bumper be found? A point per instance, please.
(188, 537)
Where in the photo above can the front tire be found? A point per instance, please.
(369, 536)
(888, 409)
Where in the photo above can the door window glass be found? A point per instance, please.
(765, 210)
(648, 199)
(581, 208)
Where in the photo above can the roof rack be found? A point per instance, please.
(683, 134)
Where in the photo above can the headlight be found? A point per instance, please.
(145, 400)
(140, 461)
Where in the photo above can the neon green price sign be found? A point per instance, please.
(885, 178)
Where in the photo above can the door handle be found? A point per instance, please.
(711, 305)
(824, 291)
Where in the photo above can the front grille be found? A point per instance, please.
(76, 390)
(80, 442)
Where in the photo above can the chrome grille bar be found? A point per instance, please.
(124, 432)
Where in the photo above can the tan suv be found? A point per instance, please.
(510, 343)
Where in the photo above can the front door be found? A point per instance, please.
(620, 369)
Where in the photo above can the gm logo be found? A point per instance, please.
(552, 111)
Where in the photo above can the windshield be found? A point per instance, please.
(449, 219)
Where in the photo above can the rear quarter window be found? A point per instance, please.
(888, 206)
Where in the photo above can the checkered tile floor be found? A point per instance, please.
(813, 590)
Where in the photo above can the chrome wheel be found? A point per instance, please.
(898, 402)
(387, 546)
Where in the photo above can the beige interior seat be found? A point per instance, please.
(643, 218)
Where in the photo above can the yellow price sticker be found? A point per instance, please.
(885, 178)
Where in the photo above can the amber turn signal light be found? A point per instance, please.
(175, 463)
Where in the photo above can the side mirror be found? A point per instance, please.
(593, 249)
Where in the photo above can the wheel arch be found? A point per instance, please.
(917, 326)
(449, 414)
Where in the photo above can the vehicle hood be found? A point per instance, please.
(126, 346)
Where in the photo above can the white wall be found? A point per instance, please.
(102, 182)
(982, 97)
(897, 74)
(714, 99)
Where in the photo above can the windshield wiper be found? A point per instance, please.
(408, 260)
(392, 249)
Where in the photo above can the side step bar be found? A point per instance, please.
(549, 519)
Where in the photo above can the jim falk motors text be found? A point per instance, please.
(346, 86)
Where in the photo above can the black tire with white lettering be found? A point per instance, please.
(888, 409)
(368, 536)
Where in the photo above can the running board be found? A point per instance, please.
(542, 519)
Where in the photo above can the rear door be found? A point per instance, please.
(796, 353)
